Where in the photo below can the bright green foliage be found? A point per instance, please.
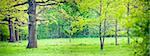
(4, 31)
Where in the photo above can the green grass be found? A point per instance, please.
(62, 47)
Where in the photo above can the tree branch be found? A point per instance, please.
(46, 4)
(40, 3)
(55, 3)
(19, 4)
(43, 1)
(27, 2)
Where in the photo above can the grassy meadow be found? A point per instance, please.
(62, 47)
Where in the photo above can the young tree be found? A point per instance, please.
(100, 29)
(116, 30)
(128, 30)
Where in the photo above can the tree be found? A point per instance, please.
(11, 30)
(116, 34)
(32, 25)
(16, 26)
(100, 30)
(128, 30)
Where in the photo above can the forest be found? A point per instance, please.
(74, 27)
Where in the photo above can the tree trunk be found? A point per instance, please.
(11, 30)
(128, 36)
(100, 29)
(32, 39)
(100, 36)
(104, 30)
(17, 34)
(116, 30)
(128, 10)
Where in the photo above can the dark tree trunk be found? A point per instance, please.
(17, 34)
(100, 36)
(11, 30)
(32, 39)
(16, 31)
(128, 36)
(116, 30)
(100, 29)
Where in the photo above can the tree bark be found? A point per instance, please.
(11, 30)
(32, 39)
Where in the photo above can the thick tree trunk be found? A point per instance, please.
(116, 30)
(32, 39)
(11, 30)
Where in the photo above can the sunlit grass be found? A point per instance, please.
(62, 47)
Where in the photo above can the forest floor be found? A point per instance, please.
(62, 47)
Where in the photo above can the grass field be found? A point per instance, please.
(62, 47)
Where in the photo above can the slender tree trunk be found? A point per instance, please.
(128, 29)
(128, 36)
(17, 35)
(16, 31)
(32, 39)
(116, 30)
(104, 30)
(11, 30)
(100, 29)
(100, 36)
(20, 37)
(105, 22)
